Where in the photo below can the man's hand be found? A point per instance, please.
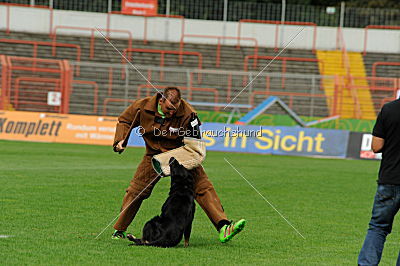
(118, 148)
(377, 144)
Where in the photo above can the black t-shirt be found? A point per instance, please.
(387, 127)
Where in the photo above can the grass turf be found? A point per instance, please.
(56, 198)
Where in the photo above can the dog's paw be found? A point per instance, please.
(131, 237)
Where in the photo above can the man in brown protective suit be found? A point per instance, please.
(164, 121)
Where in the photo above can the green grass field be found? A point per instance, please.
(55, 199)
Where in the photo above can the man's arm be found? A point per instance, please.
(378, 133)
(126, 121)
(377, 144)
(192, 126)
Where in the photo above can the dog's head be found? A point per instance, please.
(178, 171)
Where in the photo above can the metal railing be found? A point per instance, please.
(43, 73)
(92, 31)
(277, 24)
(310, 62)
(146, 18)
(100, 90)
(218, 38)
(28, 80)
(54, 44)
(235, 10)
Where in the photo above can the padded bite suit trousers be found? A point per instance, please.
(143, 183)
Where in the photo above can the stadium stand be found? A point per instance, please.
(113, 83)
(311, 82)
(105, 53)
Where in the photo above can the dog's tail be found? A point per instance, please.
(136, 241)
(157, 243)
(140, 242)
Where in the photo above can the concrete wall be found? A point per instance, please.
(163, 29)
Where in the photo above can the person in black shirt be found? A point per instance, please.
(385, 139)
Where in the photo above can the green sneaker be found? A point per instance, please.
(228, 231)
(118, 235)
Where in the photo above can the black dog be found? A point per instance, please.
(177, 213)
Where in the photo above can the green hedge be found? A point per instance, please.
(285, 120)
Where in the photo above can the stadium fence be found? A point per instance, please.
(235, 10)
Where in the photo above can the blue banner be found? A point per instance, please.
(269, 140)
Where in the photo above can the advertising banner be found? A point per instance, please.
(49, 127)
(269, 140)
(81, 129)
(360, 146)
(139, 7)
(365, 149)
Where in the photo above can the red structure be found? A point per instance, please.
(95, 91)
(108, 100)
(190, 89)
(291, 95)
(162, 53)
(382, 63)
(16, 69)
(283, 59)
(53, 44)
(277, 23)
(219, 38)
(92, 31)
(32, 100)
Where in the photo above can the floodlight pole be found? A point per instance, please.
(168, 7)
(109, 6)
(167, 12)
(225, 10)
(283, 12)
(342, 9)
(225, 18)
